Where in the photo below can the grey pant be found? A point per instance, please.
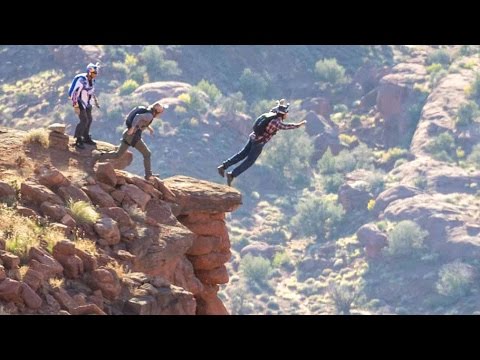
(140, 146)
(83, 127)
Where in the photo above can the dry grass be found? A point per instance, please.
(118, 268)
(20, 233)
(56, 283)
(22, 271)
(83, 212)
(51, 236)
(23, 233)
(37, 136)
(86, 245)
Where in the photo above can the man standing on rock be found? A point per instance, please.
(140, 118)
(82, 92)
(265, 127)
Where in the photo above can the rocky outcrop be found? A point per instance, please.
(438, 176)
(448, 224)
(201, 208)
(152, 92)
(440, 111)
(392, 194)
(372, 239)
(395, 95)
(159, 247)
(57, 138)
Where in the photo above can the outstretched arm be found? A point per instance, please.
(288, 126)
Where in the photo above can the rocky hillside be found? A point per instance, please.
(77, 239)
(372, 208)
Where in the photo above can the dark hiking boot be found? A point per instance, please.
(79, 145)
(89, 141)
(150, 177)
(229, 179)
(221, 170)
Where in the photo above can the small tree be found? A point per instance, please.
(467, 113)
(343, 296)
(256, 268)
(330, 73)
(318, 216)
(253, 84)
(290, 152)
(442, 147)
(405, 238)
(455, 279)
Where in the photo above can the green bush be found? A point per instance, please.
(376, 182)
(260, 107)
(330, 72)
(442, 147)
(405, 238)
(343, 296)
(467, 113)
(233, 103)
(331, 183)
(455, 280)
(139, 74)
(252, 84)
(318, 216)
(281, 259)
(255, 269)
(468, 50)
(434, 68)
(340, 108)
(440, 56)
(290, 152)
(474, 157)
(153, 57)
(436, 77)
(197, 103)
(421, 182)
(474, 89)
(119, 68)
(128, 87)
(214, 94)
(327, 165)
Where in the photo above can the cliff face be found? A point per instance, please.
(156, 247)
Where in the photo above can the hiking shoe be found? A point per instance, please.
(229, 179)
(89, 141)
(79, 145)
(149, 177)
(221, 170)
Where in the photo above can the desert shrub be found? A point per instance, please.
(440, 56)
(455, 280)
(442, 147)
(467, 113)
(83, 212)
(328, 71)
(252, 84)
(255, 269)
(37, 136)
(128, 87)
(405, 239)
(318, 216)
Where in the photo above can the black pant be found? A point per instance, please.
(82, 130)
(251, 151)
